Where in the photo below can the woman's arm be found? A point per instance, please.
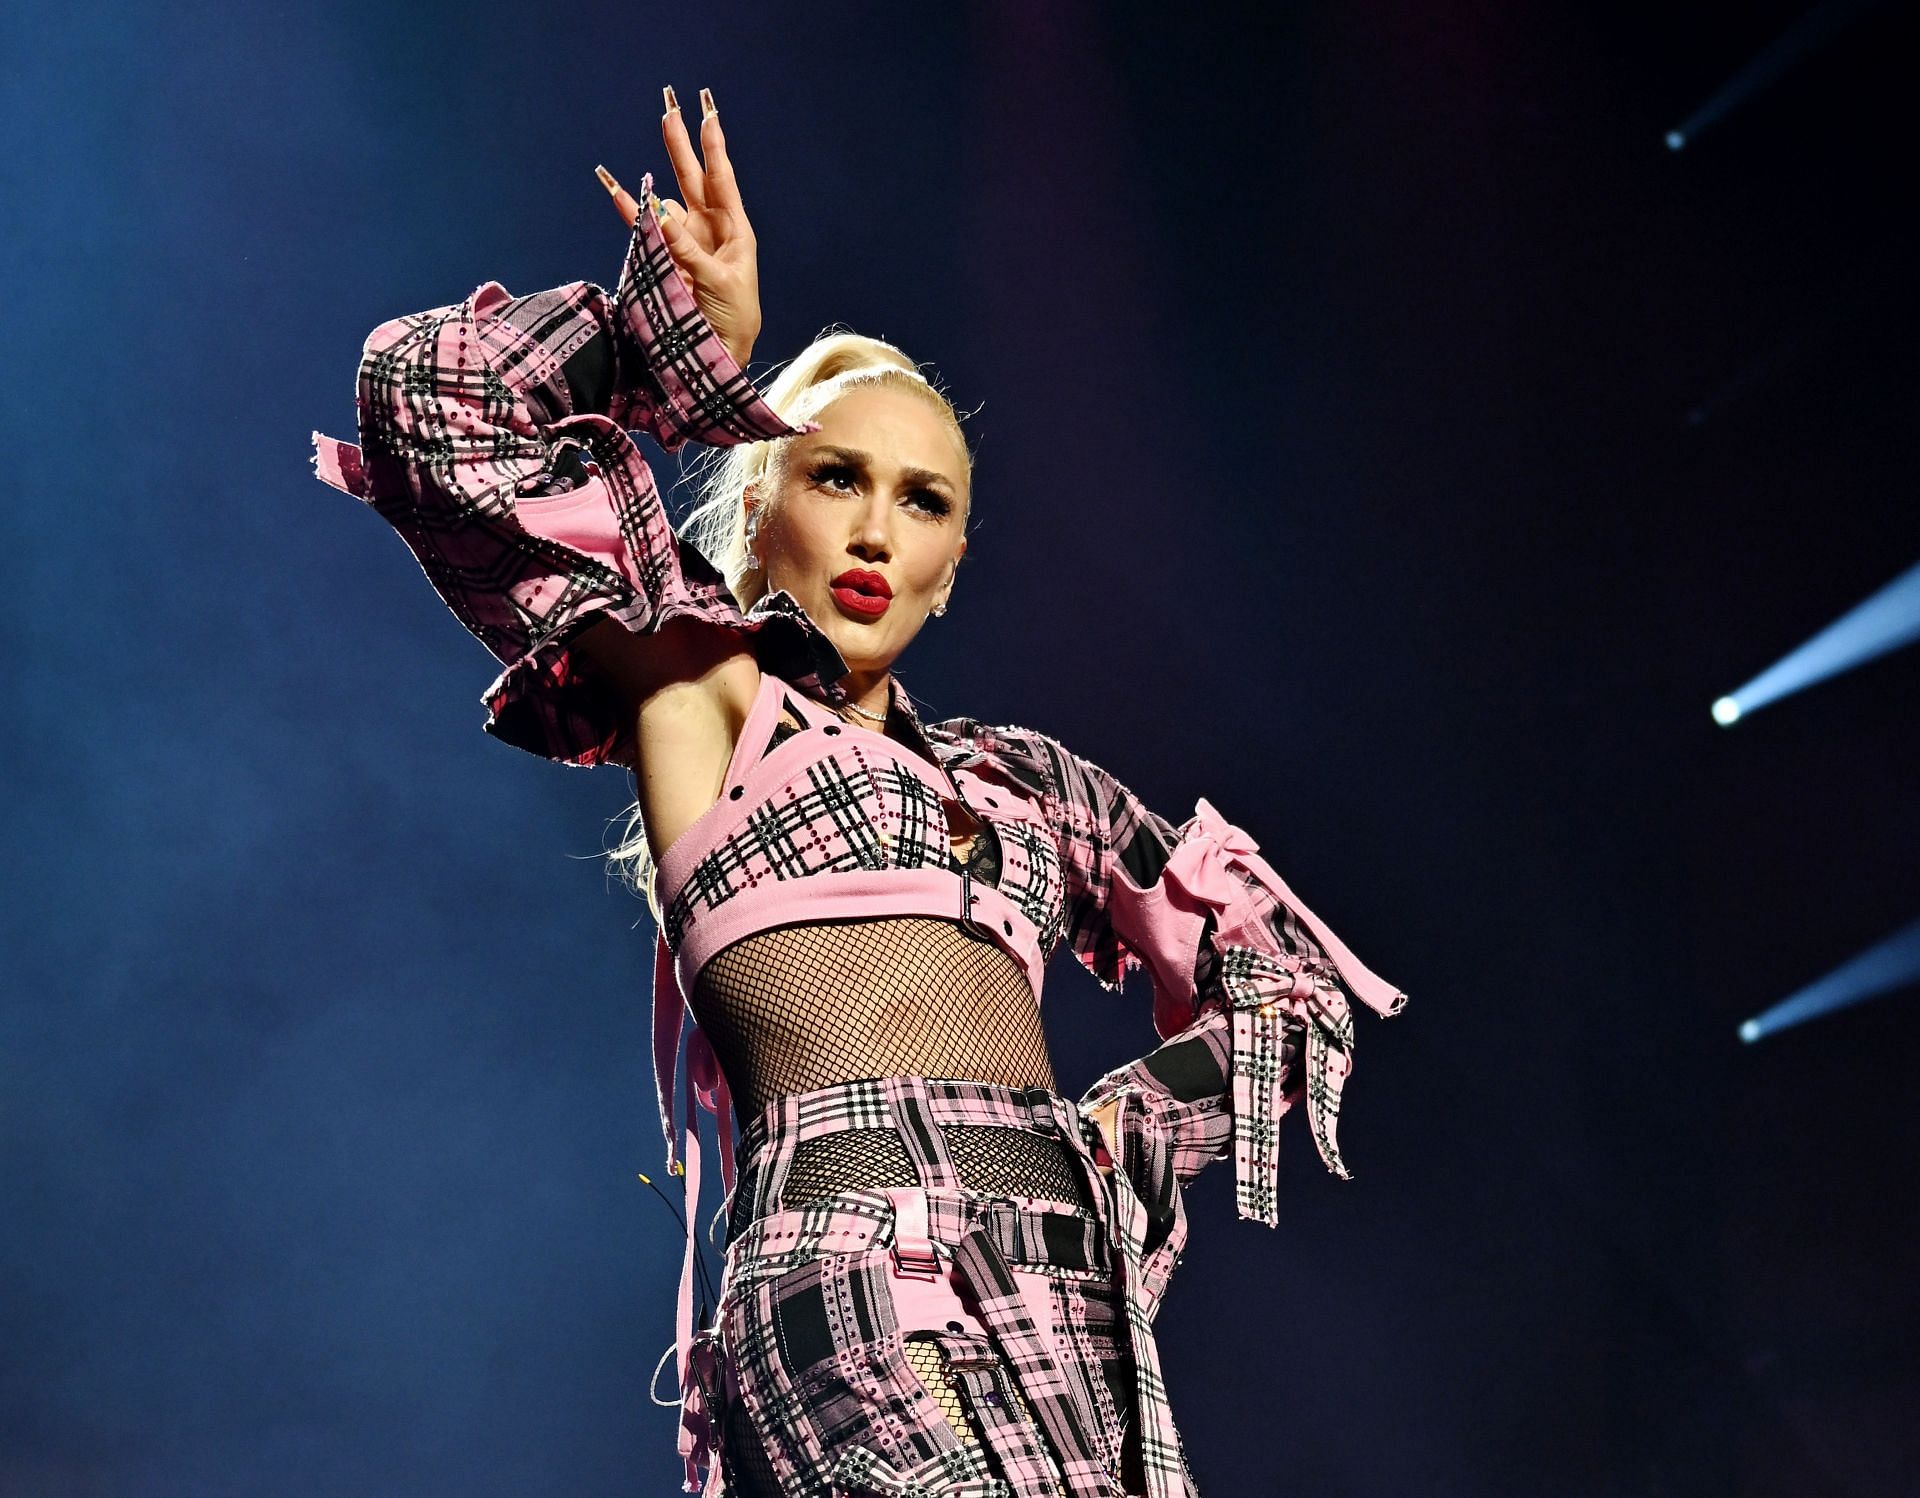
(492, 439)
(1252, 992)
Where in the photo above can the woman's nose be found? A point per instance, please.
(873, 533)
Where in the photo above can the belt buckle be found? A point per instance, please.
(911, 1262)
(915, 1255)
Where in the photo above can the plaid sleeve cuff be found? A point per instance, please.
(530, 522)
(1220, 1087)
(674, 378)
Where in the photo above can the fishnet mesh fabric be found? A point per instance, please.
(749, 1470)
(802, 1007)
(929, 1365)
(834, 1163)
(987, 1158)
(1014, 1162)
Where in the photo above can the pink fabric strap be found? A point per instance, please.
(1201, 867)
(341, 465)
(913, 1252)
(706, 1088)
(1163, 921)
(666, 1043)
(709, 1086)
(690, 1411)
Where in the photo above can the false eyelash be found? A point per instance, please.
(821, 471)
(939, 504)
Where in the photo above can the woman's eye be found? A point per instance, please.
(843, 479)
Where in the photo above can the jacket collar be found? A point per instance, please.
(793, 646)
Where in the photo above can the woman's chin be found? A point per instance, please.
(859, 643)
(856, 647)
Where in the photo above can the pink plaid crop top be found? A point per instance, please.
(834, 821)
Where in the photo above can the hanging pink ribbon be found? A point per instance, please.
(706, 1089)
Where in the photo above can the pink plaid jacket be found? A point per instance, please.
(494, 438)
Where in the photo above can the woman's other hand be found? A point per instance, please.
(708, 235)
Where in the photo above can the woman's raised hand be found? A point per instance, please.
(711, 242)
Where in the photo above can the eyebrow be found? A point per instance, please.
(854, 458)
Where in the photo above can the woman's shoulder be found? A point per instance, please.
(1078, 790)
(1025, 757)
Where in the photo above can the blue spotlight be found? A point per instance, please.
(1894, 963)
(1807, 35)
(1886, 621)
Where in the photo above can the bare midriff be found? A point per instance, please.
(802, 1007)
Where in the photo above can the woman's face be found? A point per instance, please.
(865, 521)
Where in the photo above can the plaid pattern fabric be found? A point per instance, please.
(1031, 877)
(847, 808)
(808, 1336)
(1096, 820)
(1202, 1095)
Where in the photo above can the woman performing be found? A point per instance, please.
(940, 1274)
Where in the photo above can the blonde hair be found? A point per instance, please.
(837, 361)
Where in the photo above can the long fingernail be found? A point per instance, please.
(667, 95)
(707, 111)
(606, 180)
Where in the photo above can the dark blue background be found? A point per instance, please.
(1334, 365)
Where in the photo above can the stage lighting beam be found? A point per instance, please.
(1884, 622)
(1882, 968)
(1800, 41)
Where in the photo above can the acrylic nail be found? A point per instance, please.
(707, 111)
(606, 180)
(666, 95)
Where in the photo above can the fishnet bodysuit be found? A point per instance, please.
(806, 1006)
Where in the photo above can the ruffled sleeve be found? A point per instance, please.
(493, 439)
(1253, 994)
(1231, 947)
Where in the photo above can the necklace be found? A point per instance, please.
(854, 707)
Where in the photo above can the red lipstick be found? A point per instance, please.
(861, 593)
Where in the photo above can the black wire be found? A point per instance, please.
(707, 1292)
